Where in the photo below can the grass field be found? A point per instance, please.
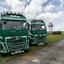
(54, 38)
(51, 39)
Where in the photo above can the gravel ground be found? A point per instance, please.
(52, 54)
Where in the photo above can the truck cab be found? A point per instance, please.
(37, 32)
(13, 33)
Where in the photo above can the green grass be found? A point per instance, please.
(54, 38)
(51, 39)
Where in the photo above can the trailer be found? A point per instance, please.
(13, 33)
(37, 32)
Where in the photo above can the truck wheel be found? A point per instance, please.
(27, 50)
(45, 43)
(3, 54)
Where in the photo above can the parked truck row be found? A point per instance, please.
(17, 33)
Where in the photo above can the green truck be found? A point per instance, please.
(37, 32)
(16, 33)
(13, 33)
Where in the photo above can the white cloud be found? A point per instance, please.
(16, 5)
(47, 16)
(58, 27)
(62, 3)
(34, 8)
(49, 8)
(51, 16)
(3, 9)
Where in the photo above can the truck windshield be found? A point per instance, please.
(13, 25)
(38, 27)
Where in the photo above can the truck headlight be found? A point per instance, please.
(43, 27)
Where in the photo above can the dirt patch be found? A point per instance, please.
(53, 54)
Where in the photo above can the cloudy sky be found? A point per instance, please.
(47, 10)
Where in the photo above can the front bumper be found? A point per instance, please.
(15, 45)
(40, 39)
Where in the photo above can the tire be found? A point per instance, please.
(45, 43)
(3, 54)
(27, 50)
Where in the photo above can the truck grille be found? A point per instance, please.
(39, 39)
(16, 44)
